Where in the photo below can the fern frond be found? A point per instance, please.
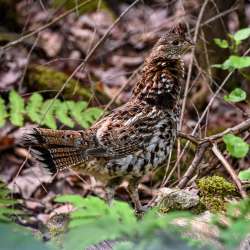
(47, 113)
(6, 204)
(89, 116)
(62, 114)
(3, 112)
(33, 107)
(16, 108)
(75, 109)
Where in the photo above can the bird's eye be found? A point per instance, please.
(175, 42)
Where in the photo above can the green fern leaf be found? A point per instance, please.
(84, 117)
(89, 116)
(16, 108)
(3, 112)
(47, 112)
(33, 107)
(62, 110)
(75, 109)
(6, 204)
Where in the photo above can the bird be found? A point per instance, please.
(133, 139)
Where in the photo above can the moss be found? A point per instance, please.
(43, 78)
(57, 226)
(215, 130)
(91, 6)
(215, 185)
(213, 204)
(213, 191)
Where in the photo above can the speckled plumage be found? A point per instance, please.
(136, 137)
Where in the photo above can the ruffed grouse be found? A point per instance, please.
(135, 138)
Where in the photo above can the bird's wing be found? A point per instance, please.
(120, 137)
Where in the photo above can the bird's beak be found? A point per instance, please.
(190, 43)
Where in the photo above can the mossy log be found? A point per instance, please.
(41, 78)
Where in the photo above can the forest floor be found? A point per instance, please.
(115, 40)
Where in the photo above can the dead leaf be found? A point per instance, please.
(29, 180)
(51, 42)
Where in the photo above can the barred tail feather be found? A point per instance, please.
(55, 149)
(50, 137)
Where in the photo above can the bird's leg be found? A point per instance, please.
(110, 192)
(110, 189)
(133, 191)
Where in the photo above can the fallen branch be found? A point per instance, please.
(204, 144)
(229, 169)
(194, 165)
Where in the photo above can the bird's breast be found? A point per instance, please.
(153, 154)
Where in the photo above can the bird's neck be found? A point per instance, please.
(160, 84)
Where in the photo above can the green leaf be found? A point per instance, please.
(242, 34)
(33, 107)
(221, 43)
(237, 95)
(3, 112)
(75, 199)
(94, 221)
(236, 62)
(89, 116)
(235, 233)
(47, 113)
(62, 111)
(124, 245)
(16, 108)
(90, 223)
(76, 109)
(6, 204)
(84, 117)
(235, 146)
(244, 175)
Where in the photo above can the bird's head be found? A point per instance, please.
(173, 44)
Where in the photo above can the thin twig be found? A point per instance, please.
(203, 145)
(212, 19)
(77, 175)
(204, 113)
(27, 64)
(165, 179)
(188, 137)
(196, 32)
(195, 163)
(239, 128)
(230, 170)
(122, 88)
(214, 96)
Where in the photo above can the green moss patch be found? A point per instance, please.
(213, 191)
